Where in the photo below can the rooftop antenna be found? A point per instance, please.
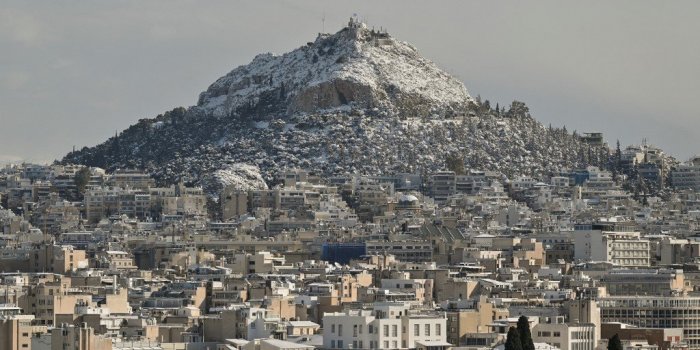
(323, 22)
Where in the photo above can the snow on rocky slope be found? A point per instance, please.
(357, 101)
(240, 176)
(354, 68)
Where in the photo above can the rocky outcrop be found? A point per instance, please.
(356, 68)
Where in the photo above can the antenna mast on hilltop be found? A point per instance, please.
(323, 22)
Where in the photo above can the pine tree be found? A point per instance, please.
(115, 147)
(614, 343)
(455, 162)
(81, 179)
(618, 157)
(513, 340)
(525, 334)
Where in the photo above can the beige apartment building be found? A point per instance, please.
(51, 297)
(78, 338)
(57, 259)
(234, 203)
(16, 330)
(468, 317)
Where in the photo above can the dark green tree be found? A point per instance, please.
(115, 147)
(614, 343)
(513, 340)
(455, 162)
(524, 333)
(81, 179)
(618, 157)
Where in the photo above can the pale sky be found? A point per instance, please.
(74, 72)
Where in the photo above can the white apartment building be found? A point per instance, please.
(103, 202)
(471, 183)
(565, 336)
(626, 249)
(387, 326)
(560, 181)
(687, 176)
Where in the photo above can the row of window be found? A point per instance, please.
(685, 303)
(358, 329)
(359, 344)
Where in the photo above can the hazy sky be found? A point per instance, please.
(74, 72)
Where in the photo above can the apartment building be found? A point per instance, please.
(78, 338)
(627, 249)
(655, 312)
(687, 176)
(409, 251)
(443, 185)
(387, 326)
(130, 178)
(234, 203)
(565, 336)
(16, 329)
(57, 259)
(467, 317)
(662, 282)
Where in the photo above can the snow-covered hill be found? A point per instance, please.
(353, 68)
(357, 101)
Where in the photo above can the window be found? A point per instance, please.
(340, 343)
(394, 331)
(416, 330)
(361, 326)
(556, 334)
(386, 344)
(370, 329)
(332, 344)
(394, 343)
(386, 330)
(427, 329)
(340, 332)
(354, 332)
(438, 329)
(333, 328)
